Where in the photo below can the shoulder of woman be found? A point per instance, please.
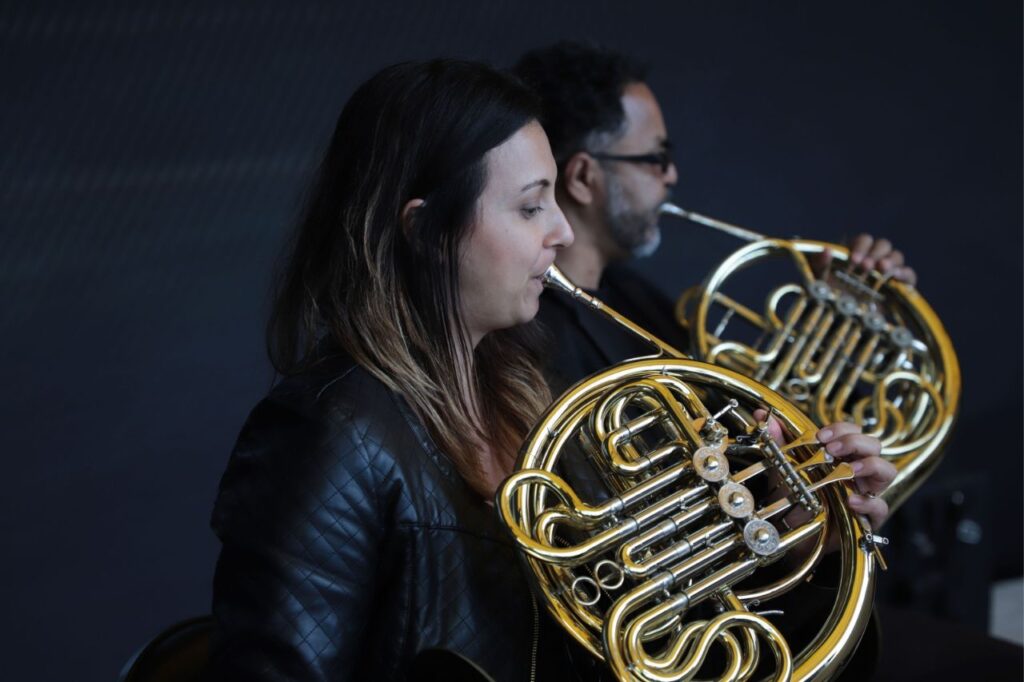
(331, 437)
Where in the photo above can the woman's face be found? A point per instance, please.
(517, 229)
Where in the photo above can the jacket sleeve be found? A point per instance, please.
(301, 520)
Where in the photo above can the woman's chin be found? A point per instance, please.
(531, 308)
(526, 311)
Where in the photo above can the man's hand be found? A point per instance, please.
(869, 253)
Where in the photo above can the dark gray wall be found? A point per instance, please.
(151, 158)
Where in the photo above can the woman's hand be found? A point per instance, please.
(872, 474)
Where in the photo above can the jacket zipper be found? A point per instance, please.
(536, 638)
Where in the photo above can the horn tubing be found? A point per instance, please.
(556, 279)
(720, 225)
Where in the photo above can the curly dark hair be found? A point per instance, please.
(581, 87)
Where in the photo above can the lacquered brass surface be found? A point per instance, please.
(843, 345)
(649, 504)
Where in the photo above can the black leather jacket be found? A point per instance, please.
(351, 544)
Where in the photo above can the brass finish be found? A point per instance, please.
(648, 499)
(843, 346)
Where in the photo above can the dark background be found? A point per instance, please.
(152, 157)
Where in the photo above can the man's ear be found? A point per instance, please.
(408, 216)
(580, 177)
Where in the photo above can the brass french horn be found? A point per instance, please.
(842, 345)
(649, 504)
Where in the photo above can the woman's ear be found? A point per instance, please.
(409, 215)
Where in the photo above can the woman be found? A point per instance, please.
(354, 514)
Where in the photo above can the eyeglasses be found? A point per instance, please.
(662, 159)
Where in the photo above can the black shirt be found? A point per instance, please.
(582, 341)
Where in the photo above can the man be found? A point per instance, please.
(613, 153)
(609, 139)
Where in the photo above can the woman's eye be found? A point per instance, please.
(530, 211)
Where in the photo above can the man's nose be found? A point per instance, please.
(671, 174)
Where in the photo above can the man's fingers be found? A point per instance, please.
(905, 274)
(888, 263)
(880, 249)
(819, 262)
(859, 247)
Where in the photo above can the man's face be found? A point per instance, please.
(635, 190)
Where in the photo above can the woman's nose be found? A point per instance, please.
(560, 234)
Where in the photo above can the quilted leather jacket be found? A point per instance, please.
(351, 544)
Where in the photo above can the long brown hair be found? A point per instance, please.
(390, 296)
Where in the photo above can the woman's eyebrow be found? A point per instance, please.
(543, 182)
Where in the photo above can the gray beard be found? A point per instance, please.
(635, 232)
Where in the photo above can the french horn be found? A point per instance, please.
(660, 520)
(842, 345)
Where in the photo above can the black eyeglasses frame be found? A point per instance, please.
(662, 159)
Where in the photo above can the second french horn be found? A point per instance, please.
(843, 345)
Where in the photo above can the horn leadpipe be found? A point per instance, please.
(556, 279)
(720, 225)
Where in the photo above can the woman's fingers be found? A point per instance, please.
(837, 430)
(774, 427)
(844, 439)
(873, 507)
(873, 474)
(854, 445)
